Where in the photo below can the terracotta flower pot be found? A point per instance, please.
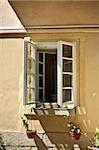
(75, 136)
(30, 133)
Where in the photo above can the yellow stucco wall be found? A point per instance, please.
(89, 77)
(11, 68)
(11, 82)
(88, 47)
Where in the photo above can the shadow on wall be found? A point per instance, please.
(57, 123)
(52, 119)
(85, 121)
(55, 130)
(48, 144)
(39, 143)
(59, 141)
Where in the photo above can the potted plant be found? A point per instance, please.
(74, 131)
(94, 140)
(30, 133)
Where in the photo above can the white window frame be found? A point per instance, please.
(26, 41)
(60, 73)
(43, 63)
(58, 45)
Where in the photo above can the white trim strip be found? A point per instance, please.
(67, 58)
(67, 88)
(63, 26)
(49, 27)
(68, 73)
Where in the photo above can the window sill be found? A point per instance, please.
(52, 109)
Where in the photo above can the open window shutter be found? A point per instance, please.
(59, 73)
(30, 72)
(65, 73)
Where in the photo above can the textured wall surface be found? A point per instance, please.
(11, 69)
(11, 83)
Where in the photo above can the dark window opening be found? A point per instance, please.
(50, 78)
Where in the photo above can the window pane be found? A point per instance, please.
(67, 80)
(67, 51)
(30, 71)
(67, 95)
(31, 51)
(67, 65)
(40, 81)
(31, 66)
(30, 95)
(40, 68)
(41, 57)
(31, 81)
(40, 94)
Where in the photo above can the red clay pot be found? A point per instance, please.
(30, 133)
(75, 136)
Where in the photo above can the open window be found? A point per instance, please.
(50, 73)
(46, 76)
(66, 73)
(29, 72)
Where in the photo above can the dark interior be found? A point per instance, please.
(50, 77)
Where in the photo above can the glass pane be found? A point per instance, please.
(67, 80)
(40, 94)
(40, 68)
(31, 66)
(67, 95)
(40, 81)
(30, 95)
(33, 52)
(67, 65)
(41, 57)
(67, 51)
(31, 81)
(29, 50)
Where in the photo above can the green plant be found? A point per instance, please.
(30, 133)
(93, 139)
(25, 123)
(96, 138)
(73, 128)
